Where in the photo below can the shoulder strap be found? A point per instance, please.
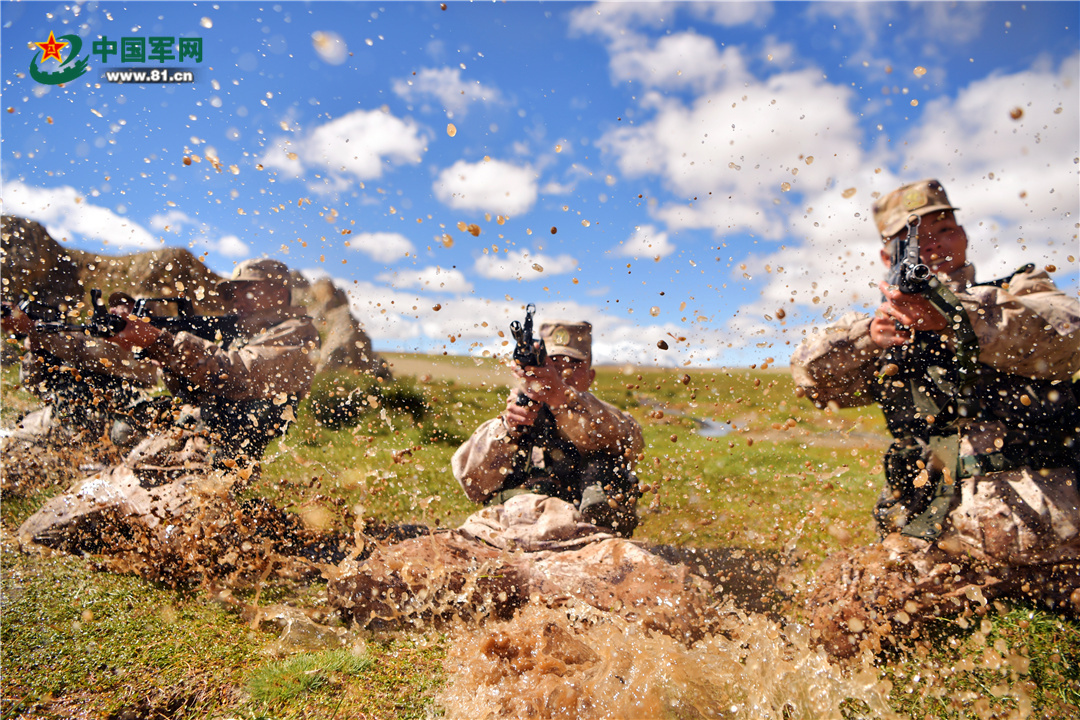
(1000, 282)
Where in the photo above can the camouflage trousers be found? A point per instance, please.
(1010, 535)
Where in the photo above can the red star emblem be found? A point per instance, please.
(52, 48)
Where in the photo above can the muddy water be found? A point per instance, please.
(578, 662)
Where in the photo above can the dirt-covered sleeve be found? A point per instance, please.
(92, 354)
(1027, 327)
(483, 462)
(838, 364)
(593, 425)
(276, 361)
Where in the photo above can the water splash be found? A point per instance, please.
(576, 661)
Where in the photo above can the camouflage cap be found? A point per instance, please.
(920, 198)
(572, 339)
(259, 270)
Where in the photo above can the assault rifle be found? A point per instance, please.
(526, 352)
(907, 272)
(221, 329)
(35, 309)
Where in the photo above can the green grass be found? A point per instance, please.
(787, 479)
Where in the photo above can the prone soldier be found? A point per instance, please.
(87, 385)
(556, 438)
(241, 391)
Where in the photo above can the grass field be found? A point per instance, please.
(771, 475)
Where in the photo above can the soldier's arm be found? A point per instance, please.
(593, 425)
(838, 364)
(1030, 328)
(276, 362)
(483, 462)
(92, 354)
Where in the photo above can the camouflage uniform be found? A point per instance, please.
(1029, 348)
(581, 452)
(245, 392)
(1000, 514)
(87, 385)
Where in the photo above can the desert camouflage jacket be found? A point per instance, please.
(483, 463)
(271, 359)
(87, 354)
(1027, 327)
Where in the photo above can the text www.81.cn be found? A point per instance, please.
(149, 75)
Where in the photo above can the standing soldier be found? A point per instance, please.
(562, 441)
(976, 384)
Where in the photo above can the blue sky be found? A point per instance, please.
(673, 172)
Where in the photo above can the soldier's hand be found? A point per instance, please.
(136, 334)
(884, 331)
(912, 310)
(544, 384)
(17, 323)
(517, 416)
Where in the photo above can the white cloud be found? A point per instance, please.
(171, 221)
(384, 247)
(230, 246)
(491, 186)
(361, 144)
(737, 150)
(447, 87)
(647, 242)
(432, 278)
(683, 60)
(731, 14)
(67, 215)
(523, 265)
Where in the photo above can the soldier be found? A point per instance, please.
(87, 384)
(563, 442)
(245, 390)
(981, 477)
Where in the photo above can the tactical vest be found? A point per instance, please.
(926, 390)
(239, 430)
(564, 470)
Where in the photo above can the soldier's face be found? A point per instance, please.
(252, 296)
(578, 374)
(942, 243)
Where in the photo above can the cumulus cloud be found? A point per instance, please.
(647, 241)
(447, 88)
(200, 234)
(737, 150)
(68, 215)
(432, 278)
(360, 145)
(491, 186)
(383, 247)
(523, 265)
